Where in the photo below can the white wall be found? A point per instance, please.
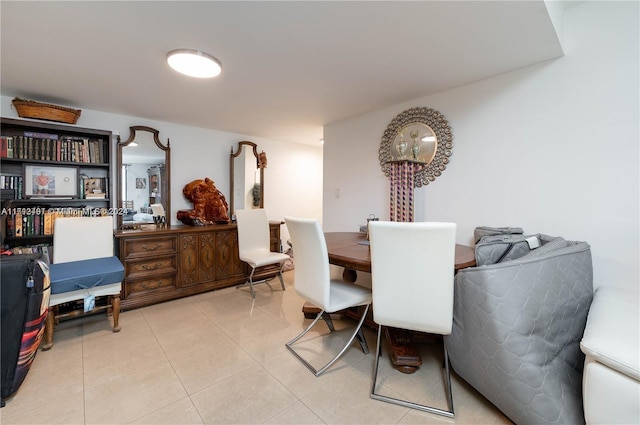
(293, 177)
(553, 148)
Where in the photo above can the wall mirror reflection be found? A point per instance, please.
(247, 177)
(143, 178)
(421, 135)
(415, 142)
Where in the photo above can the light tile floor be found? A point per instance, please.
(219, 358)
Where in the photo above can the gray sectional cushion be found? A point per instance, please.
(482, 231)
(517, 328)
(500, 248)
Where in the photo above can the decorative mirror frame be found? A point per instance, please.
(167, 163)
(444, 139)
(254, 147)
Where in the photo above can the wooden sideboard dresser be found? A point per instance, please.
(177, 261)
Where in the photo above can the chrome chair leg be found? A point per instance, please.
(253, 294)
(280, 276)
(448, 380)
(318, 372)
(250, 282)
(328, 321)
(362, 341)
(405, 403)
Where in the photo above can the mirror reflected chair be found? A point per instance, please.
(157, 210)
(254, 245)
(313, 282)
(412, 289)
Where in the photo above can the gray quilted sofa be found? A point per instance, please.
(517, 327)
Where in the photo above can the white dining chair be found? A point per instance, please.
(412, 275)
(254, 244)
(313, 282)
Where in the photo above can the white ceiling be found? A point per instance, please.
(288, 67)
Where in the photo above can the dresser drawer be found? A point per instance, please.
(150, 266)
(147, 286)
(143, 247)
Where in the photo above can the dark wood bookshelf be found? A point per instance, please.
(90, 158)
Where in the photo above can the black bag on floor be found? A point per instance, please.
(24, 304)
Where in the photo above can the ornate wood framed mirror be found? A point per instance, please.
(420, 135)
(144, 178)
(247, 177)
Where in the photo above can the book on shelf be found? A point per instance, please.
(10, 227)
(48, 223)
(26, 229)
(3, 147)
(94, 151)
(17, 152)
(43, 149)
(10, 147)
(36, 226)
(22, 144)
(30, 148)
(99, 146)
(6, 147)
(17, 225)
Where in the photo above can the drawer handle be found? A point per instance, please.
(150, 248)
(155, 266)
(156, 286)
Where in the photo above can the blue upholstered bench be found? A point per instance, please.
(84, 279)
(85, 274)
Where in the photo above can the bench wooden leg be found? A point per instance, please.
(115, 303)
(47, 341)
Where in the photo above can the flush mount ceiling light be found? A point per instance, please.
(194, 63)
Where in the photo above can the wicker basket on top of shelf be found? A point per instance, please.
(45, 111)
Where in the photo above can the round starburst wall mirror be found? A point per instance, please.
(421, 136)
